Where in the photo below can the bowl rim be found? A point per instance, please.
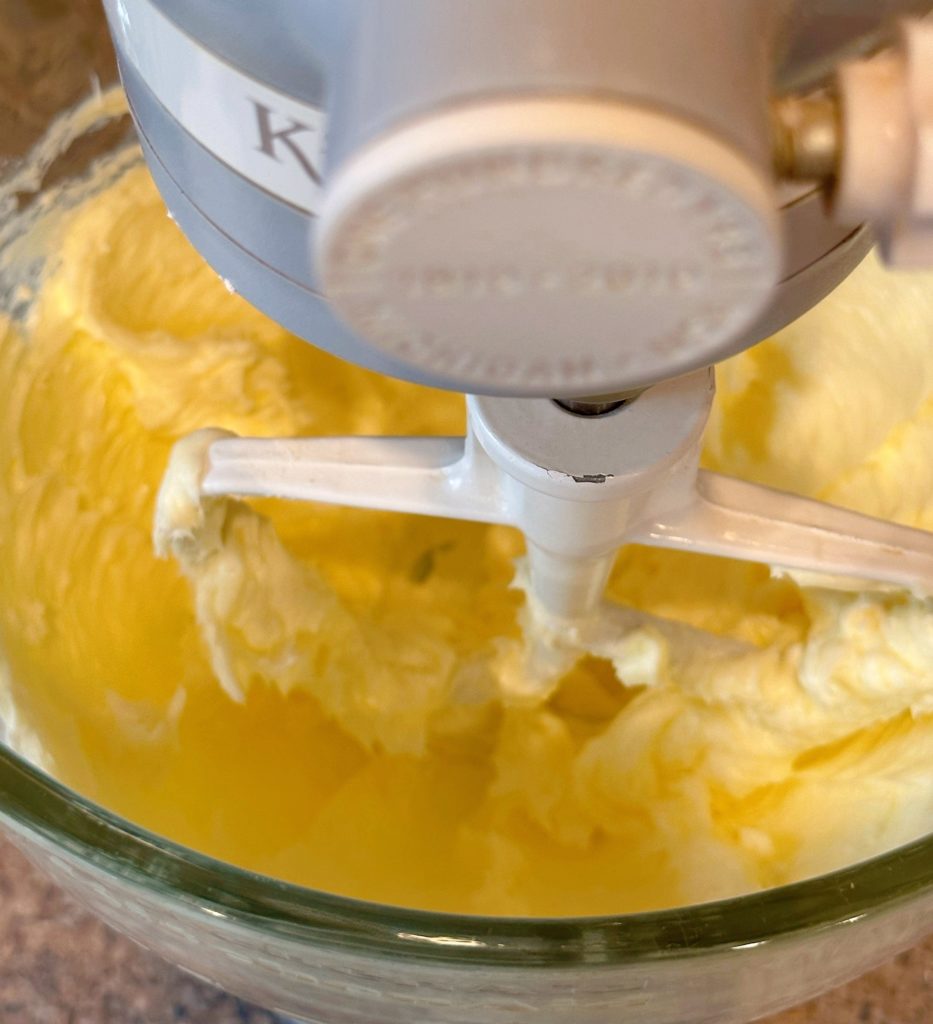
(38, 809)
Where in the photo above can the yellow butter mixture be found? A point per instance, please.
(328, 695)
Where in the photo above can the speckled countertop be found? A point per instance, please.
(58, 965)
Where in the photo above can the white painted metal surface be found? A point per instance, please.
(629, 477)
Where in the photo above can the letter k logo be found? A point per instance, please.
(273, 139)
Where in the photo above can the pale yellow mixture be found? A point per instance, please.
(319, 693)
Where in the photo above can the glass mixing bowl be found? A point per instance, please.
(325, 958)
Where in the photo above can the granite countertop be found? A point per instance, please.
(58, 965)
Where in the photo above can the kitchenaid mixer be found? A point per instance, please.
(568, 213)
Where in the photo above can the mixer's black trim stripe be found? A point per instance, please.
(843, 243)
(139, 83)
(150, 149)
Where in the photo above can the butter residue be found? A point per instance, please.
(343, 698)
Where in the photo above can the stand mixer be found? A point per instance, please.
(569, 212)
